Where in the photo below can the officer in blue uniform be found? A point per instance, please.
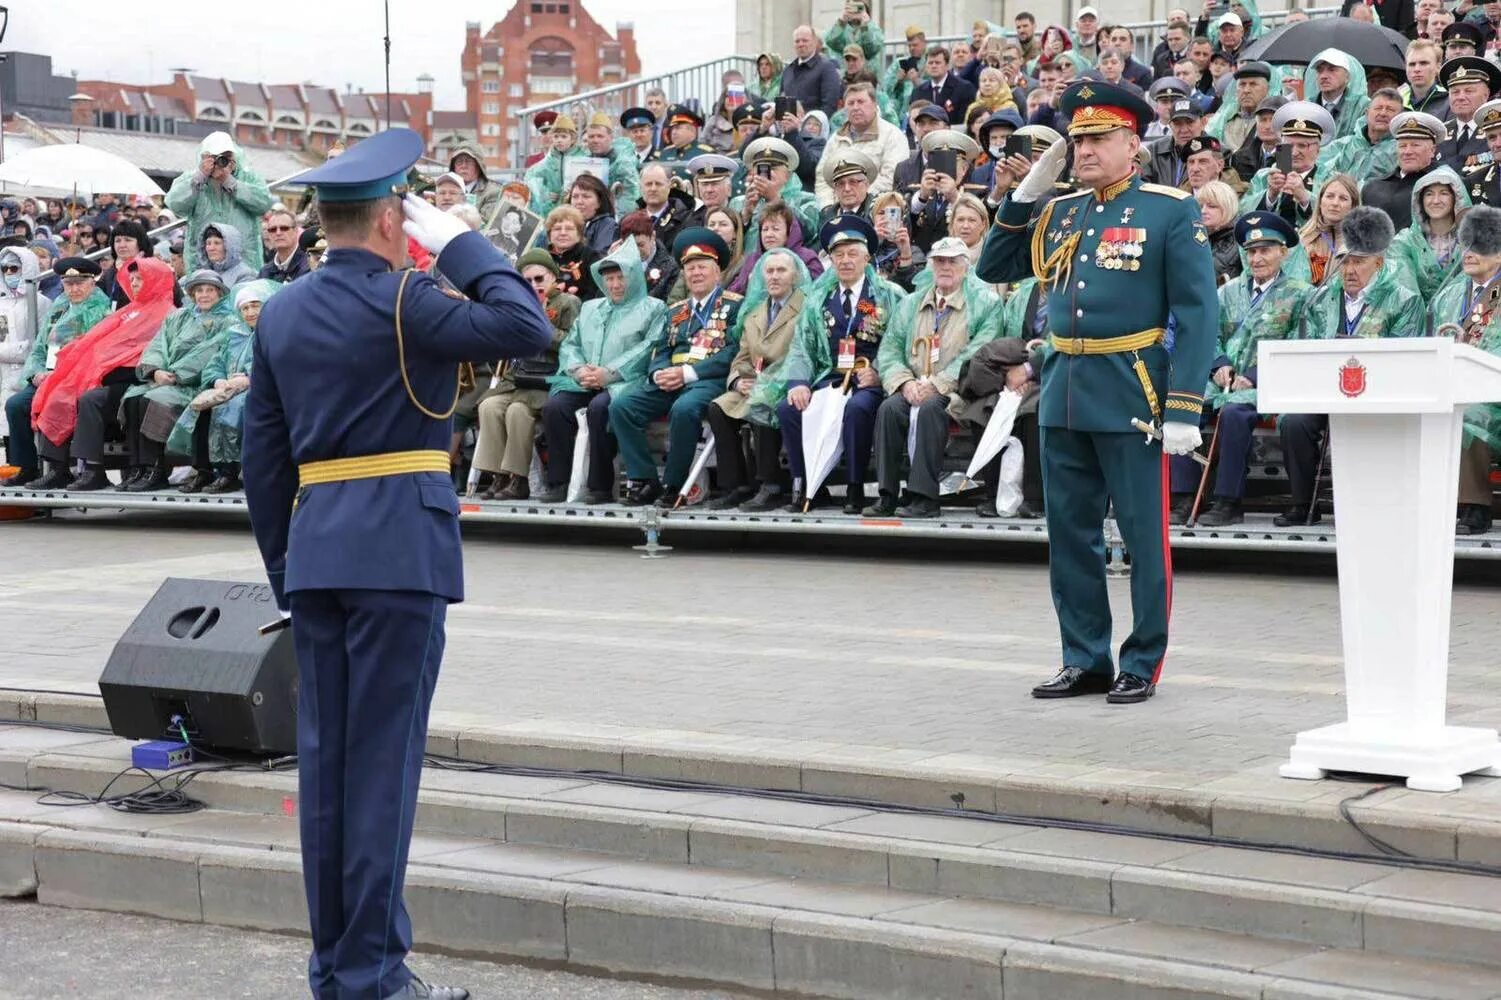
(1117, 257)
(347, 479)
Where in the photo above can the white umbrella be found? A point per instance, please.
(996, 431)
(823, 431)
(70, 167)
(700, 462)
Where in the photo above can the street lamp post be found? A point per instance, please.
(78, 100)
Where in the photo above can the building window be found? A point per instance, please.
(492, 150)
(489, 86)
(492, 107)
(551, 56)
(517, 90)
(489, 131)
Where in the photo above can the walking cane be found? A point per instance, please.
(1313, 504)
(1214, 443)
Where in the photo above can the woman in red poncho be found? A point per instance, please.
(81, 397)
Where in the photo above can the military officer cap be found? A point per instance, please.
(1167, 88)
(1463, 32)
(76, 267)
(1304, 120)
(849, 228)
(699, 243)
(851, 162)
(1184, 108)
(542, 121)
(537, 257)
(372, 169)
(948, 138)
(1488, 117)
(682, 114)
(1041, 135)
(712, 167)
(309, 236)
(1255, 229)
(205, 276)
(770, 149)
(631, 117)
(1470, 69)
(745, 113)
(1420, 125)
(1252, 69)
(1094, 107)
(934, 112)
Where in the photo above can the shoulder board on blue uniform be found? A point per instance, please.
(1171, 192)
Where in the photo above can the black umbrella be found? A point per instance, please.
(1369, 44)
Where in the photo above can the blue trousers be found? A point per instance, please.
(859, 434)
(368, 662)
(1237, 425)
(20, 445)
(1080, 472)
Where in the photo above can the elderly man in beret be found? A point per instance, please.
(1417, 136)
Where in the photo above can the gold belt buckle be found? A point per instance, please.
(1078, 345)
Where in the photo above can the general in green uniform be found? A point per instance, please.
(1117, 258)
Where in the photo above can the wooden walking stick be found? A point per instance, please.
(1313, 504)
(1214, 443)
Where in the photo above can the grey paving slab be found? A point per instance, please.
(828, 897)
(1098, 846)
(673, 879)
(1216, 948)
(1031, 923)
(1476, 892)
(773, 811)
(518, 859)
(939, 829)
(1403, 977)
(1294, 869)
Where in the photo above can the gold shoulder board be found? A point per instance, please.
(1171, 192)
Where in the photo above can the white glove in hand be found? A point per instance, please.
(429, 226)
(1043, 175)
(1180, 438)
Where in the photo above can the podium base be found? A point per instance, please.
(1431, 765)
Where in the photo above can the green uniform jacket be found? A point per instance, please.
(1391, 309)
(1244, 325)
(618, 337)
(675, 158)
(1482, 421)
(63, 324)
(1089, 300)
(718, 339)
(186, 345)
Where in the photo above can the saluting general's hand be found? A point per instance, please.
(431, 227)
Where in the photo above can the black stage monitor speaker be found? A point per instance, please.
(195, 651)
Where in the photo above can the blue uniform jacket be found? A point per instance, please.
(327, 385)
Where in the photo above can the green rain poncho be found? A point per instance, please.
(1450, 305)
(983, 307)
(1243, 325)
(202, 201)
(619, 337)
(770, 90)
(186, 344)
(1391, 309)
(227, 420)
(63, 324)
(770, 388)
(545, 178)
(803, 203)
(809, 359)
(868, 36)
(1351, 117)
(1411, 251)
(1354, 155)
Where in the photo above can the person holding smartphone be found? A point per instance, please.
(1287, 186)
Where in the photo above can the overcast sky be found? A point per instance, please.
(332, 42)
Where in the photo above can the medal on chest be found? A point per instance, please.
(1120, 249)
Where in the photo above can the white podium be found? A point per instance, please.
(1396, 411)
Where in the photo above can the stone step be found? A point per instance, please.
(1278, 896)
(492, 899)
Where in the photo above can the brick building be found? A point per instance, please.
(541, 50)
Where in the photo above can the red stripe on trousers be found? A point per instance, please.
(1167, 562)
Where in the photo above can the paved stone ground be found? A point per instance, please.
(52, 952)
(915, 653)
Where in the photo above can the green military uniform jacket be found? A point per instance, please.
(675, 158)
(1117, 263)
(707, 347)
(1246, 322)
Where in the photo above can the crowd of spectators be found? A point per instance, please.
(916, 151)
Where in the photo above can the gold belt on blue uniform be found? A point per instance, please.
(1108, 345)
(390, 463)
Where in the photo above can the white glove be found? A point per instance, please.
(1043, 175)
(429, 226)
(1180, 438)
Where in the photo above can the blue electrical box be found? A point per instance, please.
(161, 755)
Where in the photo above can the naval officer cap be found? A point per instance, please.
(1304, 120)
(712, 167)
(1419, 125)
(770, 149)
(1257, 229)
(1470, 69)
(372, 169)
(851, 162)
(1488, 117)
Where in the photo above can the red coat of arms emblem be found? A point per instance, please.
(1352, 378)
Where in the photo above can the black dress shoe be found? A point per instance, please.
(734, 498)
(1296, 516)
(56, 478)
(640, 494)
(1474, 519)
(131, 474)
(225, 484)
(919, 507)
(553, 494)
(596, 497)
(766, 498)
(18, 480)
(795, 505)
(155, 479)
(883, 507)
(671, 497)
(197, 482)
(1129, 689)
(854, 499)
(1222, 512)
(987, 509)
(90, 479)
(1072, 682)
(1183, 505)
(1027, 511)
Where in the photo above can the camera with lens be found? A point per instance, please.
(223, 160)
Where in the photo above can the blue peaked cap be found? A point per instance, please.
(373, 168)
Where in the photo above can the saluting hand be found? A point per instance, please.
(430, 226)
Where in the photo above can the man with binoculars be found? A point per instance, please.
(222, 189)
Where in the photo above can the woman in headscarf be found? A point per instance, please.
(80, 398)
(592, 199)
(20, 319)
(780, 229)
(766, 86)
(764, 328)
(1428, 250)
(172, 370)
(994, 95)
(127, 240)
(1320, 235)
(222, 248)
(211, 428)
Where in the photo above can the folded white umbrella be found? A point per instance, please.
(70, 166)
(996, 431)
(823, 430)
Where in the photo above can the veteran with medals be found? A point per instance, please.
(1117, 241)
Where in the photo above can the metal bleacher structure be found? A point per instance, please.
(958, 524)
